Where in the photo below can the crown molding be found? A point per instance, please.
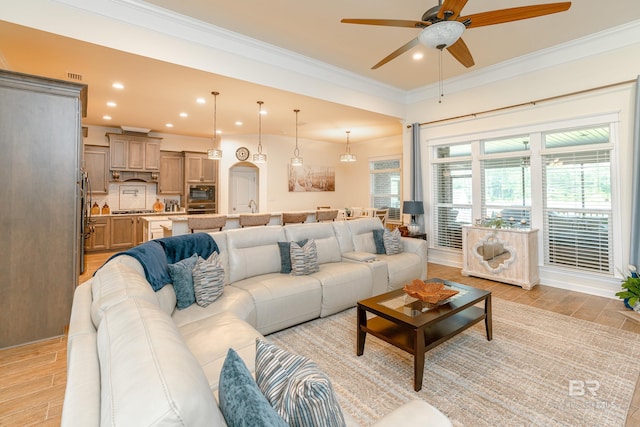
(585, 47)
(371, 93)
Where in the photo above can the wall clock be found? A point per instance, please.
(242, 153)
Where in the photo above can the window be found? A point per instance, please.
(386, 186)
(506, 179)
(577, 200)
(453, 194)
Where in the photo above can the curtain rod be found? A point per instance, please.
(551, 98)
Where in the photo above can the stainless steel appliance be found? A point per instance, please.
(85, 215)
(201, 199)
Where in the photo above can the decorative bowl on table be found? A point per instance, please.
(429, 292)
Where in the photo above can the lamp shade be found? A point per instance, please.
(413, 207)
(441, 34)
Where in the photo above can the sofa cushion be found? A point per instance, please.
(141, 382)
(392, 242)
(304, 260)
(241, 402)
(253, 253)
(378, 239)
(323, 234)
(114, 283)
(296, 387)
(285, 255)
(208, 280)
(362, 233)
(182, 277)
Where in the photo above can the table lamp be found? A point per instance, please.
(413, 208)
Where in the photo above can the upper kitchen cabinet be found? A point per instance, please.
(41, 140)
(96, 164)
(171, 173)
(134, 153)
(200, 169)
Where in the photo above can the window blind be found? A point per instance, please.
(453, 198)
(577, 210)
(506, 188)
(385, 186)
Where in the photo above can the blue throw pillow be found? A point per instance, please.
(285, 255)
(241, 401)
(379, 241)
(182, 276)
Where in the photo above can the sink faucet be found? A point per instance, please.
(253, 205)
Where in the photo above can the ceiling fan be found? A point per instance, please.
(442, 26)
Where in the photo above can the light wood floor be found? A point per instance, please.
(33, 376)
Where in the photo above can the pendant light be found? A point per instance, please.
(259, 157)
(215, 153)
(296, 160)
(348, 157)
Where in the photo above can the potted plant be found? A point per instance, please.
(631, 293)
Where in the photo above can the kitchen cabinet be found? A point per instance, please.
(134, 153)
(139, 234)
(96, 164)
(98, 239)
(122, 232)
(199, 169)
(41, 138)
(171, 173)
(501, 254)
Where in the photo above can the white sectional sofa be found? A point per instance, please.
(134, 359)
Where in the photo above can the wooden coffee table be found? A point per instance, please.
(417, 327)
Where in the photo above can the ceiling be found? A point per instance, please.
(154, 96)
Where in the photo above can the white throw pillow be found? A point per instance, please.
(208, 280)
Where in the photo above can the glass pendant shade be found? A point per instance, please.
(296, 160)
(348, 156)
(260, 157)
(441, 34)
(215, 153)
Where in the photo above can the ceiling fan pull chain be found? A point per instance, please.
(441, 83)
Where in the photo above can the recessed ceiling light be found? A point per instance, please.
(263, 112)
(184, 115)
(117, 85)
(111, 104)
(218, 132)
(201, 101)
(418, 56)
(169, 125)
(238, 123)
(105, 117)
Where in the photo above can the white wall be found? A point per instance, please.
(579, 75)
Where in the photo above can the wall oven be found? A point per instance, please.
(201, 199)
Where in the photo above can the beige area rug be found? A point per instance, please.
(541, 369)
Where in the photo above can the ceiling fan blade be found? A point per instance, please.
(453, 6)
(513, 14)
(388, 22)
(396, 53)
(461, 52)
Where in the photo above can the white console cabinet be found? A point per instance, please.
(502, 254)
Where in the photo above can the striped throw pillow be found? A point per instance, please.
(296, 387)
(304, 260)
(208, 279)
(392, 241)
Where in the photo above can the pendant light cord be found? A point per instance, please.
(296, 152)
(260, 127)
(215, 114)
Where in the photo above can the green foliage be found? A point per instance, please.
(632, 286)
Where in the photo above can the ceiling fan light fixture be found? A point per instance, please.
(441, 34)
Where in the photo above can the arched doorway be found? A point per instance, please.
(243, 188)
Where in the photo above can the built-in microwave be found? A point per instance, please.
(201, 199)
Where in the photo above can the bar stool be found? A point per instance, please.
(326, 215)
(251, 220)
(206, 223)
(293, 217)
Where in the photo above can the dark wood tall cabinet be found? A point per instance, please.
(41, 143)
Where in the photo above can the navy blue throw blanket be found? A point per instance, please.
(156, 255)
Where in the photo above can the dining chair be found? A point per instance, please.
(383, 214)
(356, 212)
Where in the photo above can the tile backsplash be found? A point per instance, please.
(132, 195)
